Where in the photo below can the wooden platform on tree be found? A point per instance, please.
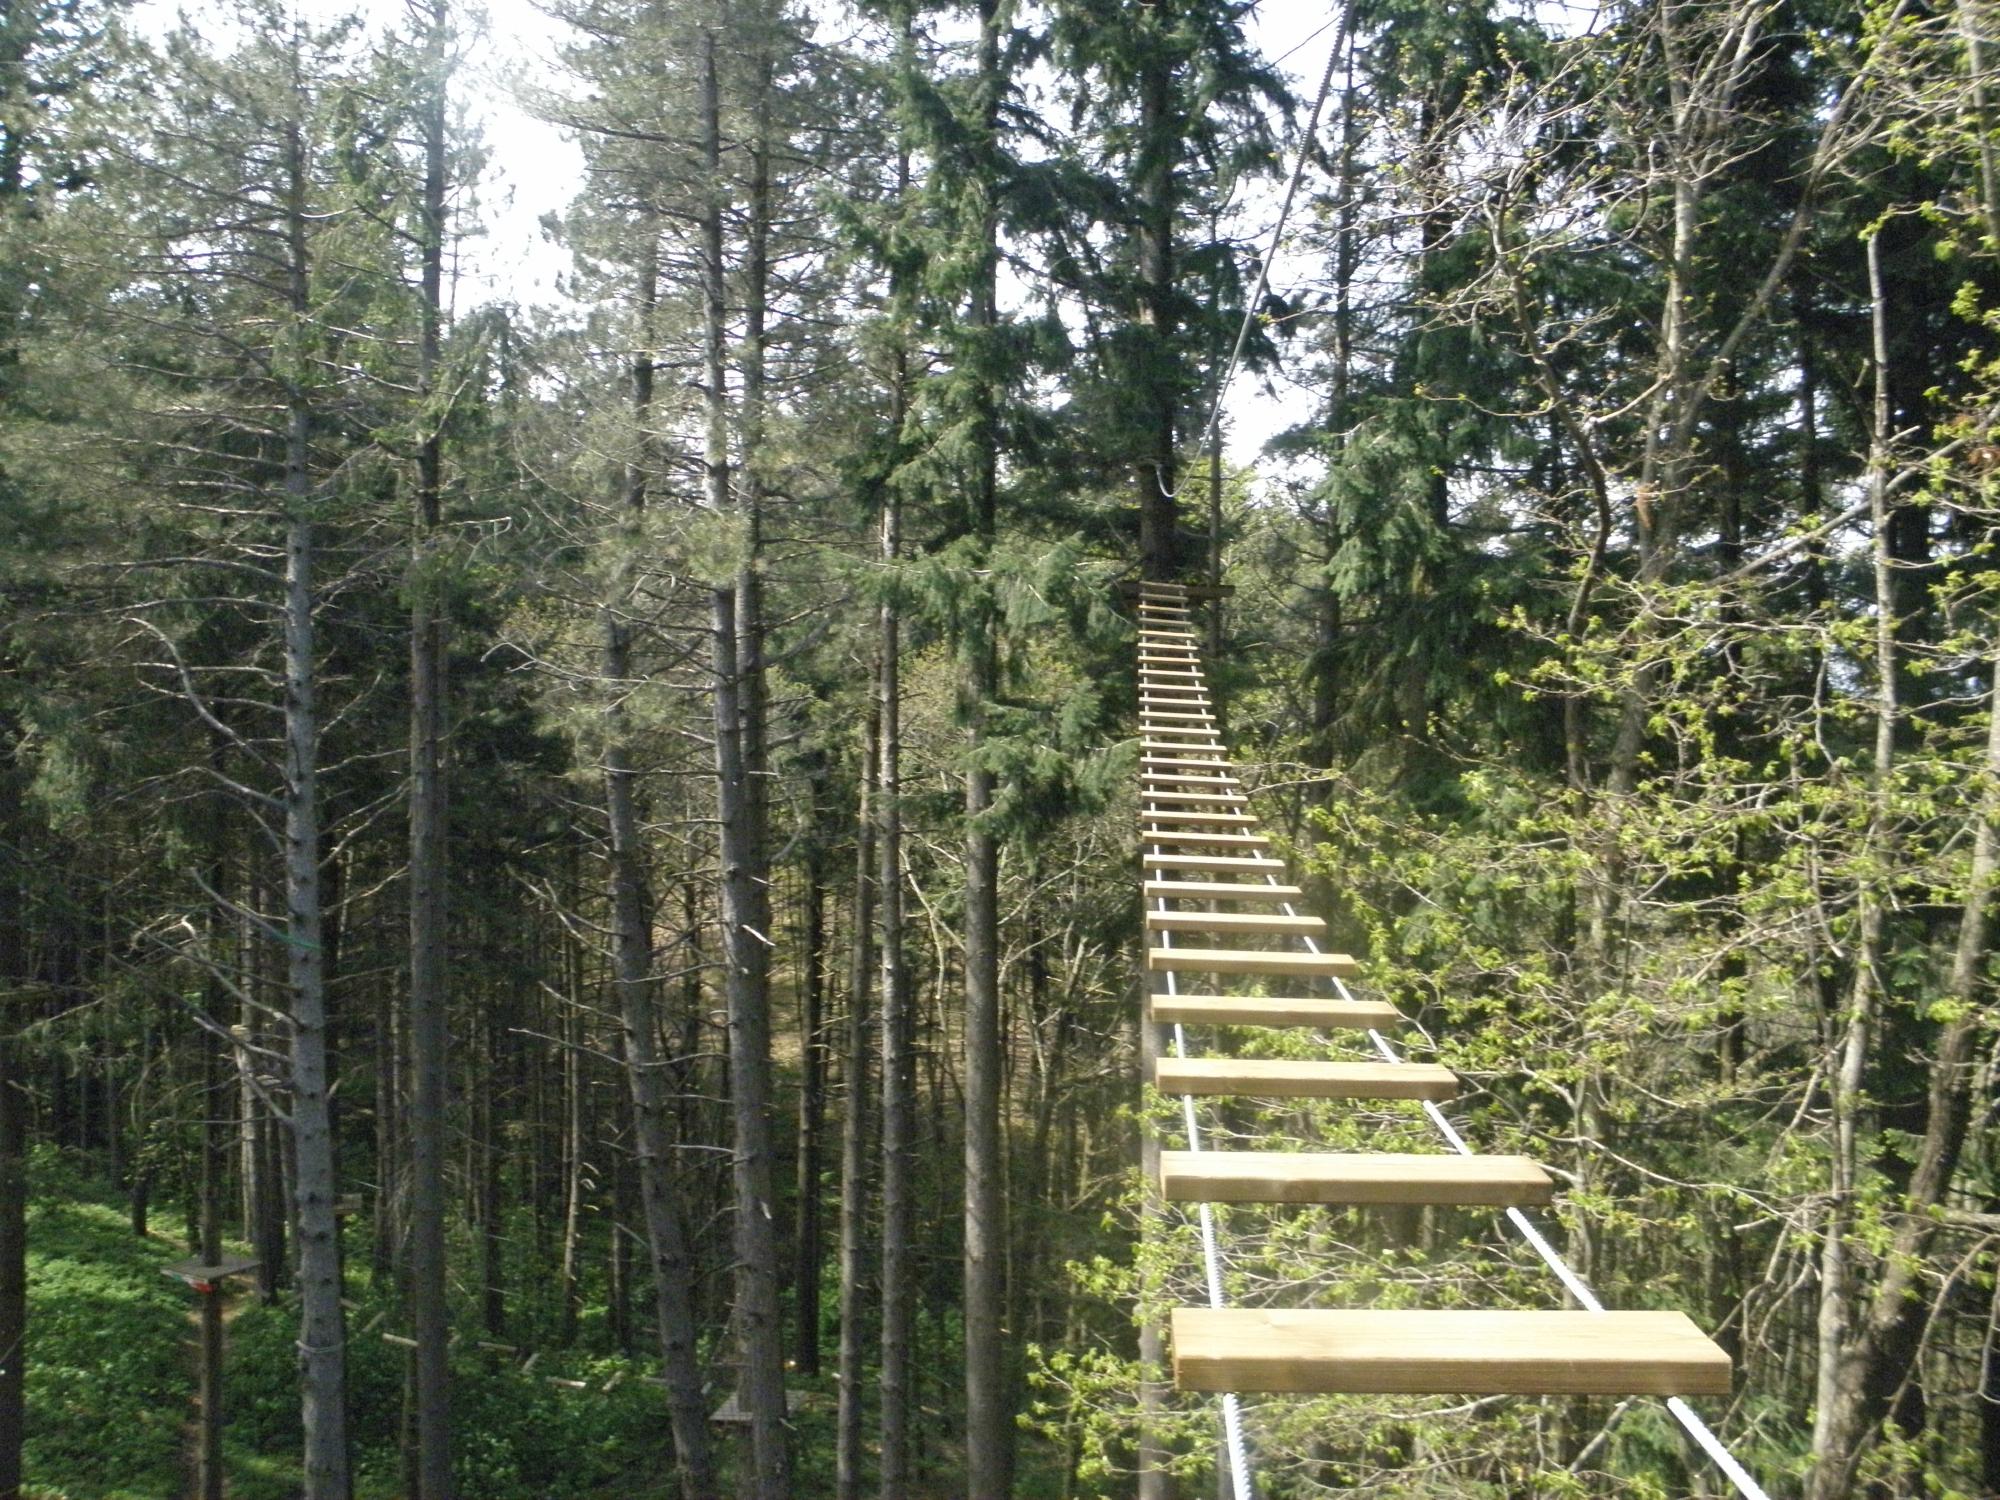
(1344, 1177)
(1302, 1078)
(1250, 961)
(1259, 1010)
(1455, 1353)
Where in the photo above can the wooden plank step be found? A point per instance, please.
(1185, 839)
(1255, 1010)
(1211, 862)
(1302, 1078)
(1166, 718)
(1208, 765)
(1249, 961)
(1220, 890)
(1233, 922)
(1185, 817)
(1150, 780)
(1374, 1351)
(1352, 1177)
(1153, 794)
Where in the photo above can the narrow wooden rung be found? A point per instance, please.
(1375, 1351)
(1167, 716)
(1232, 922)
(1211, 862)
(1303, 1078)
(1220, 890)
(1178, 839)
(1193, 817)
(1352, 1177)
(1152, 795)
(1256, 1010)
(1249, 961)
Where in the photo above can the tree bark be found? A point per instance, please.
(322, 1321)
(1158, 152)
(429, 687)
(898, 1066)
(854, 1136)
(812, 1110)
(741, 801)
(632, 972)
(989, 1413)
(13, 1246)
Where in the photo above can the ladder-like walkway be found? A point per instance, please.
(1218, 907)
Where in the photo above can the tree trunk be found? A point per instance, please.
(1155, 1478)
(741, 800)
(1840, 1399)
(854, 1136)
(898, 1069)
(429, 689)
(13, 1245)
(322, 1321)
(632, 970)
(989, 1413)
(1158, 151)
(812, 1111)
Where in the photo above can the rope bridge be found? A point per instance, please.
(1210, 880)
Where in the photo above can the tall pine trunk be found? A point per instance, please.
(854, 1135)
(322, 1321)
(899, 1082)
(808, 1237)
(989, 1413)
(428, 827)
(741, 799)
(632, 970)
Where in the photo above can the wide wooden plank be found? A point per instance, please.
(1352, 1177)
(1220, 890)
(1194, 838)
(1179, 817)
(1249, 961)
(1168, 717)
(1159, 796)
(1233, 922)
(1374, 1351)
(1155, 783)
(1158, 861)
(1257, 1010)
(1302, 1078)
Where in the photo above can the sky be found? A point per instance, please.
(535, 168)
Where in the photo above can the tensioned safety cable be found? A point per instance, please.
(1690, 1421)
(1340, 42)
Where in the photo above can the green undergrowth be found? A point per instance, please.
(108, 1377)
(111, 1388)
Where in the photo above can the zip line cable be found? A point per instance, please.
(1341, 40)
